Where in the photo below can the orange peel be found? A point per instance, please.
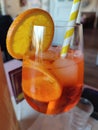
(42, 88)
(19, 36)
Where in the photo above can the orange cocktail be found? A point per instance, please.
(52, 84)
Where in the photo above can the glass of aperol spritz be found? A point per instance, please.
(52, 84)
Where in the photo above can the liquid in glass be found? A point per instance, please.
(56, 81)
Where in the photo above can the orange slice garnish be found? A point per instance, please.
(19, 36)
(41, 85)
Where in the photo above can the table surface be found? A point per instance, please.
(90, 56)
(7, 116)
(29, 118)
(59, 122)
(91, 38)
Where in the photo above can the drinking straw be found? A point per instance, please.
(67, 39)
(70, 27)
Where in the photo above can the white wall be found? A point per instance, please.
(60, 10)
(89, 5)
(13, 8)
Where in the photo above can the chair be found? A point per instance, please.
(88, 19)
(5, 22)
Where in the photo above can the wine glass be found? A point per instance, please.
(52, 84)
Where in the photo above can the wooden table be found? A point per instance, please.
(8, 119)
(91, 40)
(90, 57)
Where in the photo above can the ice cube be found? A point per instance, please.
(48, 55)
(66, 71)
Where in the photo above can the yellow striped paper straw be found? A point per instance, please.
(70, 28)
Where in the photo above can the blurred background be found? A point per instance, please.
(15, 7)
(59, 10)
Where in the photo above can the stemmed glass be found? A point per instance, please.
(52, 84)
(81, 114)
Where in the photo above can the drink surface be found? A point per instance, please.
(52, 84)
